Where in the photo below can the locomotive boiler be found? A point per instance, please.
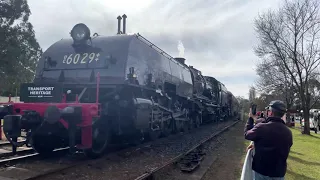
(93, 91)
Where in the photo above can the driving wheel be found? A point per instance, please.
(100, 140)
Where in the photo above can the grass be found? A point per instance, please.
(304, 157)
(243, 157)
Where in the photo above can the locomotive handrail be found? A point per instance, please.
(162, 52)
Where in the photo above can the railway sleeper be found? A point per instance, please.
(191, 161)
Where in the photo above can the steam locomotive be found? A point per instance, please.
(90, 92)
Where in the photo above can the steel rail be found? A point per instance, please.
(24, 157)
(19, 152)
(5, 143)
(151, 173)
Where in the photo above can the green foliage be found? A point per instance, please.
(244, 104)
(304, 158)
(19, 49)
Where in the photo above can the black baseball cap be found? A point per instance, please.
(278, 105)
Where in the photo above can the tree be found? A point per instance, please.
(314, 89)
(275, 81)
(244, 106)
(19, 49)
(289, 40)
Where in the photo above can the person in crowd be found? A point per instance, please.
(261, 118)
(272, 141)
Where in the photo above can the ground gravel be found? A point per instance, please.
(231, 154)
(226, 154)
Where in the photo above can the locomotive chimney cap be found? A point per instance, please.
(180, 60)
(119, 25)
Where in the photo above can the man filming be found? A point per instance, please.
(272, 142)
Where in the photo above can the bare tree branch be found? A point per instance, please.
(290, 52)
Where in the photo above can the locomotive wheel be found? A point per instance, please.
(153, 135)
(42, 145)
(191, 125)
(186, 125)
(167, 128)
(179, 125)
(197, 121)
(100, 140)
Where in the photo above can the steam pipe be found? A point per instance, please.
(124, 16)
(119, 24)
(98, 86)
(77, 98)
(64, 98)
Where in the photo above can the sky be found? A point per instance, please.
(215, 36)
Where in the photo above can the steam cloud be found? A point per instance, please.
(181, 49)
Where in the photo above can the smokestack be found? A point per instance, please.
(180, 60)
(124, 16)
(119, 24)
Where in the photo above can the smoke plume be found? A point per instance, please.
(181, 49)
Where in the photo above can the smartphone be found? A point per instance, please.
(254, 109)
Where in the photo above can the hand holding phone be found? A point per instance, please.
(253, 109)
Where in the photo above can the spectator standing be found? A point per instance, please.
(261, 118)
(272, 142)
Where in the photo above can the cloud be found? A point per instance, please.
(217, 36)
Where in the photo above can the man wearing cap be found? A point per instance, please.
(272, 142)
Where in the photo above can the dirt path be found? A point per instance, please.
(231, 154)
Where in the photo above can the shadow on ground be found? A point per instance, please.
(313, 136)
(293, 152)
(299, 176)
(312, 163)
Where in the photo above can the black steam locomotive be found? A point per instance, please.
(90, 92)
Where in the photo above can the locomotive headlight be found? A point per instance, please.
(80, 33)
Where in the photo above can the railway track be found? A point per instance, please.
(7, 155)
(58, 164)
(189, 160)
(6, 151)
(27, 154)
(66, 168)
(11, 172)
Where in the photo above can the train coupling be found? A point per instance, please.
(14, 124)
